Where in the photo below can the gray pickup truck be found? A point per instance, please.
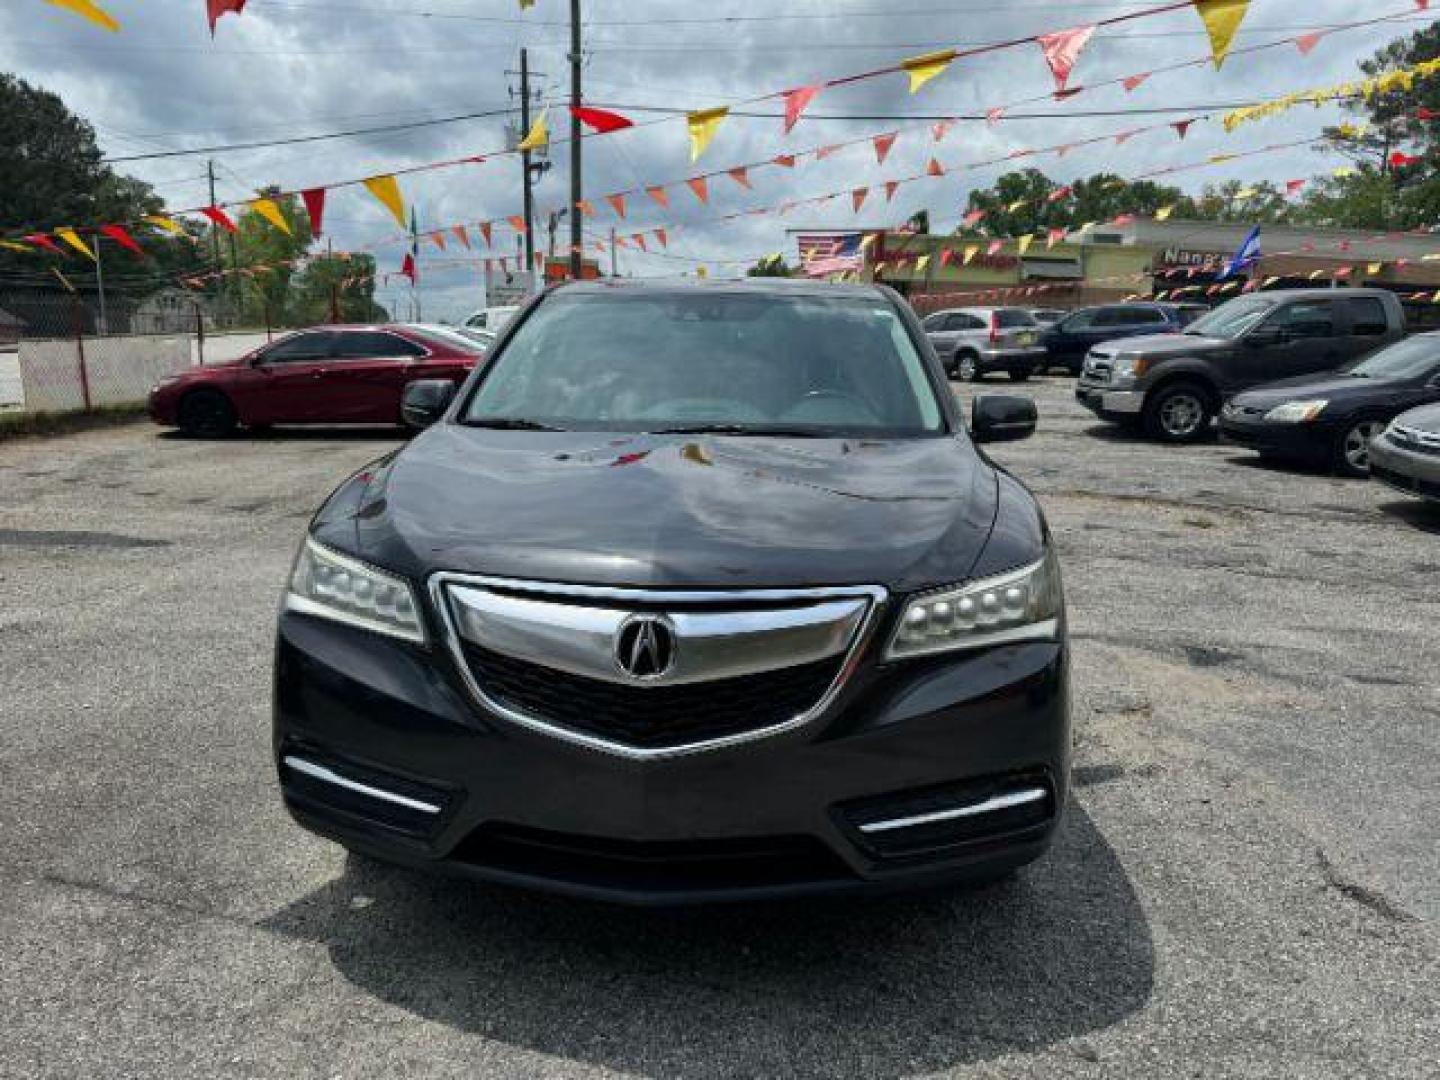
(1174, 384)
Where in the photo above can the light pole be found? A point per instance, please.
(576, 187)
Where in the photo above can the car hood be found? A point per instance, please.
(1164, 345)
(659, 511)
(1330, 385)
(1425, 418)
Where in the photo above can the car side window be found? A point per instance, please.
(1367, 317)
(1111, 317)
(932, 322)
(1081, 320)
(1306, 319)
(299, 349)
(966, 322)
(375, 345)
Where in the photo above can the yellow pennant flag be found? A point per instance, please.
(867, 241)
(1343, 171)
(922, 264)
(1374, 268)
(170, 225)
(1164, 212)
(267, 209)
(1221, 18)
(1247, 193)
(71, 237)
(971, 250)
(1024, 242)
(922, 69)
(12, 246)
(700, 271)
(538, 137)
(1016, 205)
(387, 190)
(703, 126)
(87, 9)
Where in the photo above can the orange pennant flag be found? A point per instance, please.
(516, 222)
(857, 197)
(438, 239)
(741, 176)
(883, 143)
(664, 239)
(934, 168)
(485, 231)
(87, 9)
(785, 161)
(700, 188)
(659, 194)
(891, 186)
(617, 203)
(462, 236)
(387, 190)
(586, 207)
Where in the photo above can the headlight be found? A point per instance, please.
(1022, 605)
(333, 586)
(1129, 367)
(1296, 412)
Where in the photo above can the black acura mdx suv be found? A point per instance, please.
(691, 593)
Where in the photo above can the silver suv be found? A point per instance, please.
(974, 341)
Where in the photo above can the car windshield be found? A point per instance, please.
(1231, 319)
(1412, 358)
(711, 360)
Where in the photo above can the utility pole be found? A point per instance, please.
(525, 157)
(577, 189)
(104, 326)
(555, 216)
(614, 255)
(415, 262)
(214, 229)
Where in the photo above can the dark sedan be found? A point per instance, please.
(328, 375)
(1331, 418)
(1068, 340)
(692, 593)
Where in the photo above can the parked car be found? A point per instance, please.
(1407, 455)
(1047, 316)
(692, 592)
(468, 336)
(492, 318)
(1331, 418)
(327, 375)
(972, 342)
(1068, 341)
(1174, 384)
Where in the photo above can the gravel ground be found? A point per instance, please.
(1248, 884)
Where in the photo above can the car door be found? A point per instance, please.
(289, 387)
(939, 330)
(1070, 339)
(1301, 338)
(367, 375)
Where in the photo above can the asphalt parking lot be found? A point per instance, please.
(1247, 885)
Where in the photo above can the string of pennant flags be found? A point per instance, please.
(386, 190)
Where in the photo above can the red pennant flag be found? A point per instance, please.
(785, 160)
(1423, 113)
(946, 258)
(891, 186)
(972, 218)
(40, 240)
(659, 194)
(1182, 126)
(1054, 236)
(1132, 81)
(1292, 186)
(600, 120)
(617, 203)
(663, 237)
(1399, 159)
(219, 217)
(408, 268)
(516, 222)
(462, 236)
(216, 8)
(485, 231)
(824, 152)
(700, 188)
(1307, 42)
(993, 115)
(941, 129)
(994, 247)
(639, 239)
(857, 197)
(796, 102)
(1122, 219)
(883, 143)
(123, 238)
(1058, 194)
(438, 239)
(934, 168)
(1062, 49)
(1343, 271)
(741, 176)
(314, 199)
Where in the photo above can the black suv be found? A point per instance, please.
(1174, 384)
(692, 592)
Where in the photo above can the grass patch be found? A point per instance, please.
(16, 424)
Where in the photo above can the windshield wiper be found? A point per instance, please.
(737, 429)
(508, 423)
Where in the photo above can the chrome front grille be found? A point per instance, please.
(1414, 440)
(733, 666)
(1096, 369)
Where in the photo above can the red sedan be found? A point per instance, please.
(328, 375)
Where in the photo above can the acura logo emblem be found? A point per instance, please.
(645, 646)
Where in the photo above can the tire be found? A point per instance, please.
(1020, 374)
(967, 367)
(206, 414)
(1351, 455)
(1179, 412)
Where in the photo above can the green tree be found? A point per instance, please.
(329, 282)
(1236, 201)
(770, 266)
(260, 261)
(1039, 203)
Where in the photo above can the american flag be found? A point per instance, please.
(823, 254)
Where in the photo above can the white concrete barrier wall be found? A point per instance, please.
(12, 394)
(118, 370)
(223, 348)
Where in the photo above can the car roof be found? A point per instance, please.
(744, 286)
(1320, 294)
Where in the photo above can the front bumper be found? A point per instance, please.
(968, 752)
(1024, 358)
(1110, 404)
(1410, 471)
(1306, 441)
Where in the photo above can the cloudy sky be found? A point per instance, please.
(289, 68)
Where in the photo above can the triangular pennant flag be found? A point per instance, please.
(946, 258)
(538, 136)
(1399, 159)
(663, 237)
(1164, 212)
(123, 238)
(971, 250)
(1062, 49)
(1023, 244)
(407, 268)
(1054, 236)
(993, 115)
(922, 264)
(461, 235)
(701, 189)
(1130, 82)
(270, 211)
(857, 197)
(940, 129)
(516, 222)
(387, 190)
(785, 161)
(972, 218)
(1292, 186)
(220, 218)
(639, 239)
(882, 144)
(1374, 268)
(86, 9)
(993, 248)
(486, 231)
(1182, 127)
(934, 168)
(741, 176)
(438, 239)
(170, 225)
(1306, 42)
(922, 69)
(797, 100)
(314, 199)
(1221, 18)
(11, 245)
(215, 8)
(617, 203)
(71, 237)
(659, 194)
(1123, 137)
(891, 186)
(1058, 194)
(601, 120)
(703, 125)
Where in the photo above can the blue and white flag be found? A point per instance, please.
(1246, 256)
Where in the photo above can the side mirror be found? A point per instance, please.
(1002, 418)
(425, 401)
